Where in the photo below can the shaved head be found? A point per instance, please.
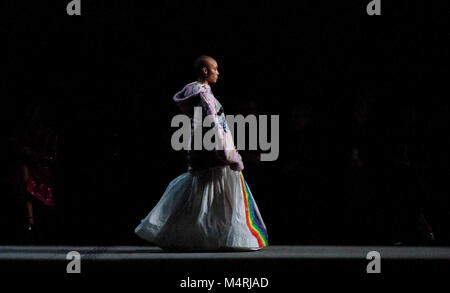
(200, 63)
(206, 69)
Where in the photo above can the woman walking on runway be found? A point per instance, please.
(210, 207)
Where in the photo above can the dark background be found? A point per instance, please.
(339, 79)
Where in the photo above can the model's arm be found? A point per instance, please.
(225, 149)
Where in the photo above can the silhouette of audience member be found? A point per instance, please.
(34, 143)
(406, 186)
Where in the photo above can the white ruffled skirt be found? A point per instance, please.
(211, 209)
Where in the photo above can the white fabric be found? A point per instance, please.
(201, 211)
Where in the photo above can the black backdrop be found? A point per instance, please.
(106, 81)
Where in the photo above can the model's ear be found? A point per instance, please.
(205, 71)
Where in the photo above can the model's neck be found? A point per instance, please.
(202, 81)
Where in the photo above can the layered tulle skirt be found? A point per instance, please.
(211, 209)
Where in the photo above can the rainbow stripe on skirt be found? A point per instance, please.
(252, 216)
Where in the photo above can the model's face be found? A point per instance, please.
(212, 71)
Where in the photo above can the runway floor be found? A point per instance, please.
(273, 260)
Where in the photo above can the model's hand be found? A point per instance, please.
(238, 166)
